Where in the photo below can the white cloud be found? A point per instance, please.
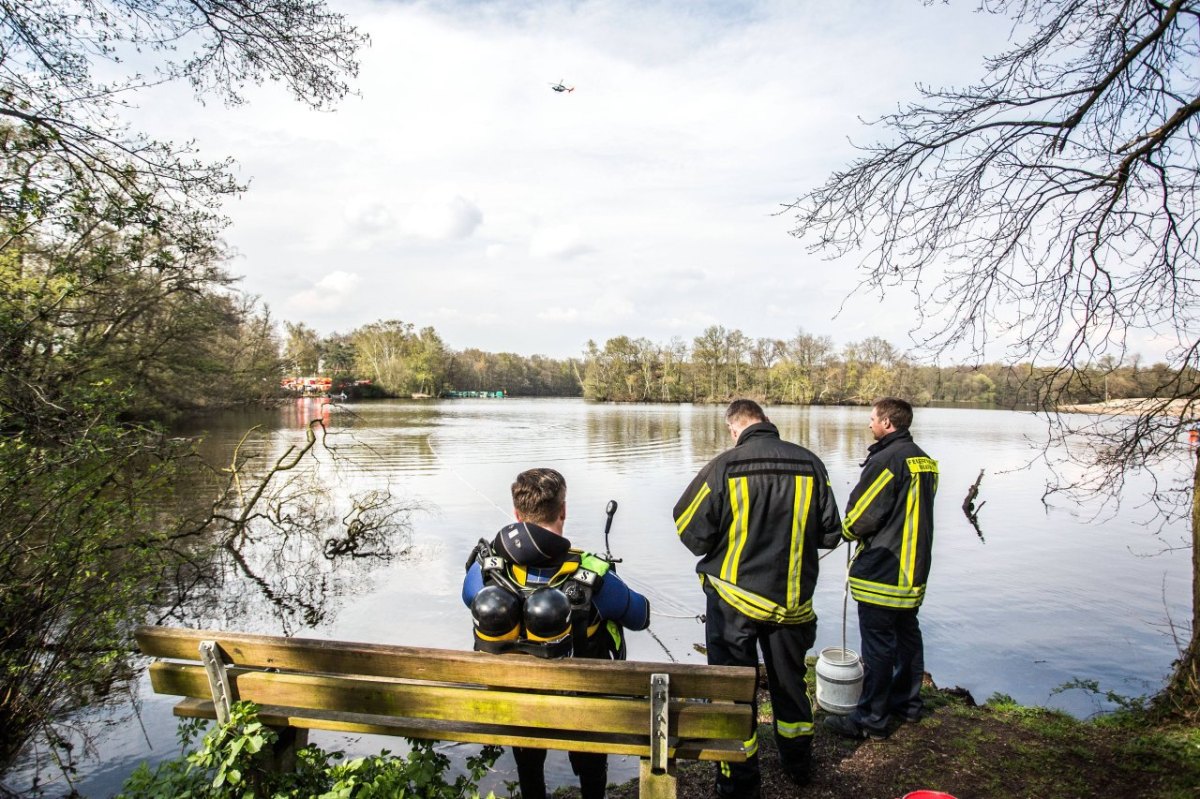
(442, 216)
(331, 293)
(694, 322)
(558, 241)
(459, 315)
(339, 283)
(559, 315)
(604, 308)
(369, 218)
(611, 306)
(464, 193)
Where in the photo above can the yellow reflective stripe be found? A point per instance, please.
(739, 501)
(886, 588)
(908, 540)
(760, 608)
(685, 518)
(793, 729)
(751, 745)
(884, 602)
(866, 499)
(846, 533)
(800, 509)
(891, 596)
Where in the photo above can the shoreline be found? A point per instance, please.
(997, 750)
(1136, 407)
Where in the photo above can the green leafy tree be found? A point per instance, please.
(337, 353)
(302, 348)
(76, 558)
(429, 362)
(399, 359)
(710, 357)
(114, 306)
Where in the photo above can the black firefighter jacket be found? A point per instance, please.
(890, 515)
(756, 515)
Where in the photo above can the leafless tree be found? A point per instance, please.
(1050, 210)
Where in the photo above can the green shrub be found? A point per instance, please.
(236, 761)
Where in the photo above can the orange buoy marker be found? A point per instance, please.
(927, 795)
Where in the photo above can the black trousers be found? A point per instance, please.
(590, 767)
(893, 665)
(734, 640)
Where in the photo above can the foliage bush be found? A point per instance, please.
(237, 761)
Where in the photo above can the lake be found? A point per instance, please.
(1055, 593)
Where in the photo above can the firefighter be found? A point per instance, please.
(890, 518)
(756, 515)
(531, 593)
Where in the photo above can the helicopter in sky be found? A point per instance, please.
(560, 87)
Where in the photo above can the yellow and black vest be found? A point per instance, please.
(890, 516)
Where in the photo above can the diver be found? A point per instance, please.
(530, 593)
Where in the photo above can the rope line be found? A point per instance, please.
(659, 613)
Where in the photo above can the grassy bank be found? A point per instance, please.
(999, 750)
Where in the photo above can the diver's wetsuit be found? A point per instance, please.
(523, 559)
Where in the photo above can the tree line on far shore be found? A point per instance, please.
(401, 360)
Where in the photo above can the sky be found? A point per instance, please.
(457, 189)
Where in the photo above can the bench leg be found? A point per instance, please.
(657, 786)
(283, 754)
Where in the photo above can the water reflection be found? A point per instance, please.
(284, 542)
(629, 438)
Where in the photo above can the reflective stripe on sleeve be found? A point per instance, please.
(865, 501)
(685, 518)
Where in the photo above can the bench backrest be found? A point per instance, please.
(587, 705)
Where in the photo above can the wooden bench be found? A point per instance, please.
(657, 711)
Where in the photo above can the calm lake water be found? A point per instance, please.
(1055, 594)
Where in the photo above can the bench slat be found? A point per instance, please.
(453, 703)
(626, 678)
(501, 735)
